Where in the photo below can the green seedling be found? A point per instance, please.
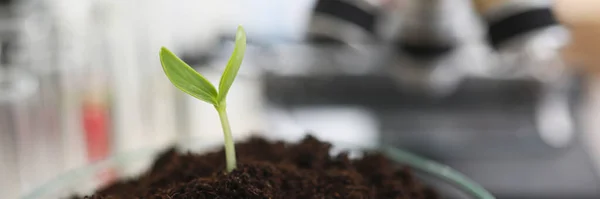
(186, 79)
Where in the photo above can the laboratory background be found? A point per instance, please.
(506, 92)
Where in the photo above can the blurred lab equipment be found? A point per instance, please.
(17, 88)
(475, 84)
(482, 88)
(428, 43)
(30, 143)
(92, 79)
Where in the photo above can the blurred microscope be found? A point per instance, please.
(478, 85)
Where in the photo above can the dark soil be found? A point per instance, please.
(271, 170)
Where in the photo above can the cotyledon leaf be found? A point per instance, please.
(233, 65)
(186, 79)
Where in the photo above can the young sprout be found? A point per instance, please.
(186, 79)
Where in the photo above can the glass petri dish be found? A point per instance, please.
(449, 183)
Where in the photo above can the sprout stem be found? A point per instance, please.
(229, 144)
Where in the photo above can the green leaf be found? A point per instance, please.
(233, 66)
(186, 79)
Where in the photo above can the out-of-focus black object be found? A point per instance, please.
(424, 51)
(8, 31)
(6, 48)
(510, 26)
(342, 22)
(6, 2)
(347, 12)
